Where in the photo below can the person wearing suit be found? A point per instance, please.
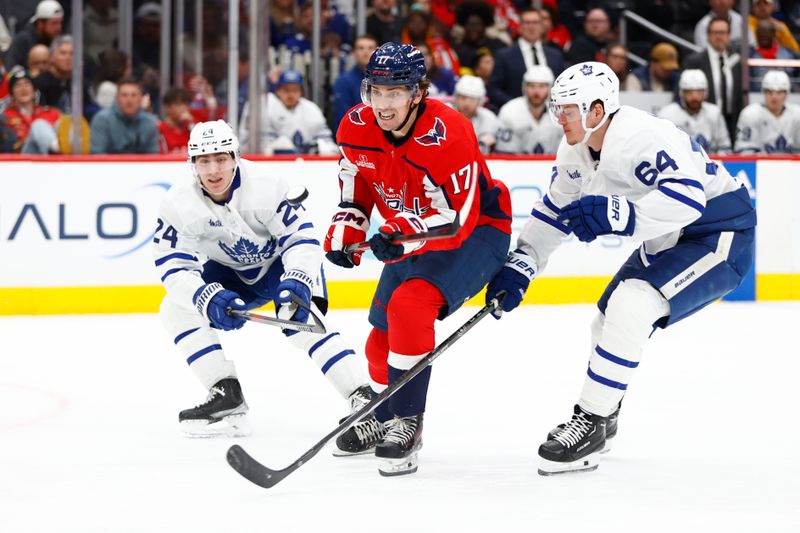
(511, 63)
(722, 70)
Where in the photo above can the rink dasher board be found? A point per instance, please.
(75, 232)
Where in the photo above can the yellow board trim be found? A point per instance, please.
(342, 294)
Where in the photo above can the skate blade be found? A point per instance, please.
(552, 468)
(398, 467)
(342, 453)
(230, 426)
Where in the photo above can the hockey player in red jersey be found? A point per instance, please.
(417, 162)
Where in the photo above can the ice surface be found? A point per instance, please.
(708, 435)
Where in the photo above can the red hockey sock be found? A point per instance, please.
(411, 313)
(377, 350)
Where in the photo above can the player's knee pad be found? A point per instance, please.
(411, 314)
(377, 351)
(636, 305)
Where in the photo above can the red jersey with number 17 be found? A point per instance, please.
(429, 172)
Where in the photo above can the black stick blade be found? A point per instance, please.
(251, 469)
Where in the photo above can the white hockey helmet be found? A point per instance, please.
(471, 86)
(581, 84)
(693, 79)
(538, 74)
(776, 80)
(213, 137)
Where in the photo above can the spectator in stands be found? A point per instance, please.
(282, 18)
(5, 36)
(661, 73)
(55, 83)
(483, 65)
(44, 27)
(289, 123)
(178, 122)
(347, 87)
(7, 136)
(420, 29)
(100, 19)
(703, 121)
(469, 96)
(719, 9)
(114, 66)
(723, 71)
(33, 125)
(330, 21)
(525, 125)
(443, 81)
(767, 47)
(554, 31)
(475, 18)
(125, 128)
(512, 62)
(764, 10)
(5, 98)
(772, 127)
(385, 23)
(597, 34)
(38, 59)
(146, 38)
(617, 59)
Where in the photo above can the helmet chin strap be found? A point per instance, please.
(589, 131)
(402, 125)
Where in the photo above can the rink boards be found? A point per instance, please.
(75, 233)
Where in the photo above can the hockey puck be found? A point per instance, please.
(297, 195)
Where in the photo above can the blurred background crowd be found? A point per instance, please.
(692, 62)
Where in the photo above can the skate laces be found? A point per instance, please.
(574, 430)
(401, 430)
(369, 430)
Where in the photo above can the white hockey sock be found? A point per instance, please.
(197, 343)
(630, 314)
(342, 366)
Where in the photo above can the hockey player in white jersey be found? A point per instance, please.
(772, 127)
(703, 121)
(622, 171)
(290, 124)
(232, 240)
(469, 95)
(525, 127)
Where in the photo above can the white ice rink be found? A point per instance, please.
(708, 438)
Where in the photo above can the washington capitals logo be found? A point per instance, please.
(355, 116)
(586, 70)
(435, 135)
(396, 200)
(247, 252)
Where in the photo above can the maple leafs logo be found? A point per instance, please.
(435, 135)
(781, 146)
(247, 252)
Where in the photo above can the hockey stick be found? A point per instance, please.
(432, 235)
(265, 477)
(316, 327)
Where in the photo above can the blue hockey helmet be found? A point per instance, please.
(394, 64)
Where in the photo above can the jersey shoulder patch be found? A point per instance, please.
(435, 135)
(355, 115)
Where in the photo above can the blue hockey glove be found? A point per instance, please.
(214, 300)
(592, 216)
(403, 224)
(298, 284)
(513, 278)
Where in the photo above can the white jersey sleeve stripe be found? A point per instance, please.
(681, 198)
(178, 255)
(547, 220)
(683, 181)
(550, 205)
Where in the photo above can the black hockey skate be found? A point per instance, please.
(364, 435)
(611, 429)
(222, 414)
(575, 446)
(398, 448)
